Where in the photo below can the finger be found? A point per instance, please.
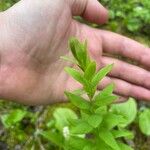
(90, 10)
(126, 89)
(117, 44)
(128, 72)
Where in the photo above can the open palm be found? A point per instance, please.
(35, 34)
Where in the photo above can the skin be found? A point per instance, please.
(34, 34)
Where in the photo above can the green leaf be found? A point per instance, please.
(89, 90)
(105, 97)
(82, 127)
(101, 74)
(108, 90)
(50, 123)
(88, 148)
(79, 92)
(78, 143)
(63, 117)
(12, 118)
(78, 101)
(69, 59)
(109, 139)
(124, 146)
(122, 133)
(95, 120)
(72, 43)
(101, 145)
(111, 120)
(144, 122)
(101, 100)
(53, 137)
(101, 110)
(79, 51)
(90, 71)
(82, 54)
(75, 74)
(127, 109)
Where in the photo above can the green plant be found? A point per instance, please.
(126, 16)
(133, 16)
(4, 4)
(98, 124)
(144, 121)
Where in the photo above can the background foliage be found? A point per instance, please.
(130, 15)
(19, 124)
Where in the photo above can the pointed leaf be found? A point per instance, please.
(101, 145)
(12, 118)
(109, 139)
(69, 59)
(101, 74)
(78, 143)
(63, 117)
(78, 101)
(81, 128)
(72, 44)
(53, 137)
(79, 51)
(90, 71)
(75, 74)
(112, 120)
(101, 100)
(101, 110)
(108, 90)
(95, 120)
(124, 146)
(79, 92)
(122, 133)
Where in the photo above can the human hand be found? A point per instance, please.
(34, 34)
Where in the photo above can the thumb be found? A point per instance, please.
(90, 10)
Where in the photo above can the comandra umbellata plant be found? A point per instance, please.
(98, 124)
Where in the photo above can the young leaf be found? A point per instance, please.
(111, 120)
(69, 59)
(109, 139)
(127, 109)
(63, 116)
(89, 147)
(108, 90)
(90, 71)
(82, 54)
(94, 120)
(122, 133)
(101, 110)
(81, 128)
(72, 44)
(78, 101)
(75, 74)
(79, 51)
(101, 74)
(144, 122)
(124, 146)
(78, 143)
(79, 92)
(104, 100)
(89, 90)
(12, 118)
(53, 137)
(101, 145)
